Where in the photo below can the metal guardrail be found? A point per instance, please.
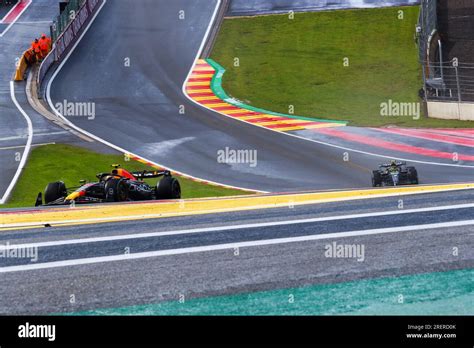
(442, 81)
(66, 17)
(427, 26)
(452, 81)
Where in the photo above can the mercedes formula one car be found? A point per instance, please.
(393, 174)
(118, 186)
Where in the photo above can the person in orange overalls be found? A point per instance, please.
(44, 46)
(35, 45)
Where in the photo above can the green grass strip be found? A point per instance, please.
(70, 164)
(216, 87)
(339, 65)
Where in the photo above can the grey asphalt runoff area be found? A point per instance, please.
(138, 107)
(216, 272)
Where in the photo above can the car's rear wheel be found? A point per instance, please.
(376, 178)
(54, 191)
(116, 190)
(168, 188)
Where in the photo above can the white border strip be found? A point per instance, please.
(322, 142)
(24, 156)
(232, 227)
(120, 149)
(59, 223)
(11, 24)
(216, 247)
(297, 136)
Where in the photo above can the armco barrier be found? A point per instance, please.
(69, 37)
(45, 65)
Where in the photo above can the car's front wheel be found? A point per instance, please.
(54, 191)
(376, 178)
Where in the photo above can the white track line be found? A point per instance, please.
(328, 144)
(24, 156)
(231, 227)
(11, 24)
(22, 146)
(118, 148)
(300, 137)
(36, 135)
(207, 248)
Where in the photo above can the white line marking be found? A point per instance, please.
(35, 135)
(11, 24)
(327, 144)
(34, 22)
(120, 149)
(8, 13)
(149, 254)
(300, 137)
(22, 146)
(198, 55)
(233, 227)
(24, 156)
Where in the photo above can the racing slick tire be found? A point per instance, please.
(168, 188)
(116, 190)
(54, 191)
(376, 178)
(412, 175)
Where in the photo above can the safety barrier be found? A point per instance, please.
(69, 36)
(21, 68)
(65, 17)
(46, 64)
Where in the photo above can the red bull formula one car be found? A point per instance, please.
(118, 186)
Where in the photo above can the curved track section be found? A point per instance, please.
(140, 106)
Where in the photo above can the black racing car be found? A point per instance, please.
(118, 186)
(394, 174)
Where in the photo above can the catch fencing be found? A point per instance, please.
(65, 17)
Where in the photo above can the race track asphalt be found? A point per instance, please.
(138, 106)
(219, 272)
(13, 126)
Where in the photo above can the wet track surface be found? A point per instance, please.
(138, 106)
(13, 126)
(216, 272)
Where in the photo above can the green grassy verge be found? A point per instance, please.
(299, 62)
(70, 164)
